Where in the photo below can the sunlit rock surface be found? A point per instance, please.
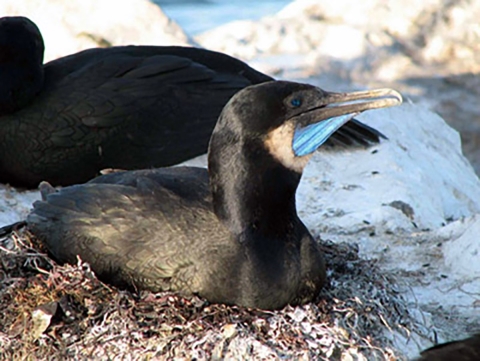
(462, 251)
(71, 26)
(15, 204)
(417, 179)
(350, 29)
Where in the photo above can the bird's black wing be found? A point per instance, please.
(128, 108)
(129, 227)
(162, 108)
(353, 134)
(125, 107)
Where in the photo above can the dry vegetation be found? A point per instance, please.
(64, 312)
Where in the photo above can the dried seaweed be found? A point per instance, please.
(64, 312)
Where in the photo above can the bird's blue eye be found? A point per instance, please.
(296, 102)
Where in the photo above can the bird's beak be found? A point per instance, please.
(331, 111)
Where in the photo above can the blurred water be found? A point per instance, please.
(196, 16)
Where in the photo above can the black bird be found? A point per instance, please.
(130, 107)
(230, 234)
(462, 350)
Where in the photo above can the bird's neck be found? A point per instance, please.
(252, 192)
(20, 83)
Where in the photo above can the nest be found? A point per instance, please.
(65, 312)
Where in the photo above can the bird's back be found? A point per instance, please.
(149, 229)
(125, 107)
(156, 230)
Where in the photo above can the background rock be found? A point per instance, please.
(409, 182)
(462, 254)
(430, 31)
(71, 26)
(14, 204)
(429, 50)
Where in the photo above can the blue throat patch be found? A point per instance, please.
(308, 139)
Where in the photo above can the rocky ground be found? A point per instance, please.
(400, 228)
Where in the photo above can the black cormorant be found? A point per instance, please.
(128, 107)
(230, 234)
(462, 350)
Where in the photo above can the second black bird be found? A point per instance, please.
(129, 107)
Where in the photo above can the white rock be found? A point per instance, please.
(71, 26)
(275, 35)
(393, 16)
(304, 26)
(462, 254)
(421, 167)
(14, 204)
(370, 32)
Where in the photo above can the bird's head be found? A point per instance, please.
(292, 120)
(21, 62)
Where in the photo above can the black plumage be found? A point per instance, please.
(130, 107)
(230, 234)
(461, 350)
